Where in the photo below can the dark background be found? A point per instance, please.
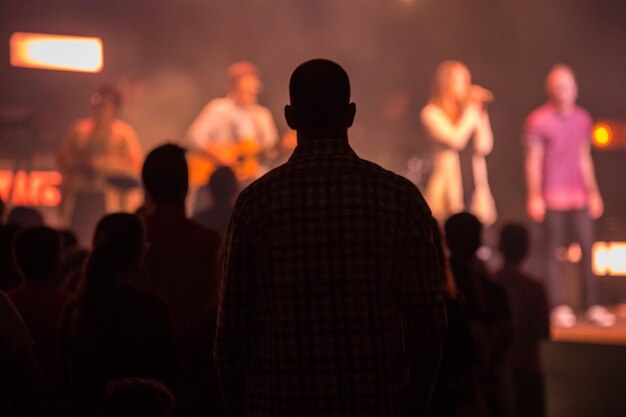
(169, 57)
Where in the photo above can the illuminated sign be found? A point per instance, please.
(34, 188)
(609, 258)
(56, 52)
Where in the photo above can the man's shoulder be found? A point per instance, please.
(583, 113)
(290, 170)
(201, 234)
(401, 183)
(518, 280)
(539, 115)
(185, 231)
(146, 303)
(261, 109)
(220, 104)
(123, 128)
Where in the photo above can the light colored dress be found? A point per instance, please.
(444, 191)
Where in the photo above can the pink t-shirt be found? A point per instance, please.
(562, 137)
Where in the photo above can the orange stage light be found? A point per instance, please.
(56, 52)
(602, 135)
(609, 258)
(609, 135)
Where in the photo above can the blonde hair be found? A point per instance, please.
(440, 84)
(443, 75)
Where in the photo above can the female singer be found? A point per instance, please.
(455, 114)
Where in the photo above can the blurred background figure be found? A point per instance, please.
(529, 315)
(223, 189)
(24, 217)
(9, 276)
(38, 256)
(100, 159)
(21, 389)
(114, 329)
(234, 131)
(563, 193)
(457, 391)
(456, 113)
(182, 265)
(486, 305)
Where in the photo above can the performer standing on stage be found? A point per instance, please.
(96, 150)
(235, 130)
(455, 114)
(562, 190)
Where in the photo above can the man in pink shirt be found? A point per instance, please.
(562, 189)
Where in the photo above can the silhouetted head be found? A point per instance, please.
(38, 253)
(561, 86)
(319, 92)
(25, 217)
(131, 397)
(463, 234)
(514, 243)
(122, 235)
(165, 175)
(223, 185)
(114, 260)
(69, 239)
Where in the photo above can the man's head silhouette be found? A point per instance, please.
(165, 176)
(463, 234)
(319, 92)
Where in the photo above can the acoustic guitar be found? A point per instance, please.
(244, 158)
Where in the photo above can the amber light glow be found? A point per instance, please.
(56, 52)
(602, 135)
(609, 258)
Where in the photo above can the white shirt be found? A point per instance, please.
(225, 122)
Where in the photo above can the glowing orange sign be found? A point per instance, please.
(56, 52)
(34, 188)
(609, 258)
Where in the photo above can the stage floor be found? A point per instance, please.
(585, 332)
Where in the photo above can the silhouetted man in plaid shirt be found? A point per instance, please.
(332, 298)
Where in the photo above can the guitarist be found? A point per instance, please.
(235, 130)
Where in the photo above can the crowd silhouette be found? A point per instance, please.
(333, 292)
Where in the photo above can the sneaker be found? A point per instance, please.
(600, 316)
(563, 316)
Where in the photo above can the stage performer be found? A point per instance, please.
(456, 113)
(235, 130)
(563, 193)
(100, 159)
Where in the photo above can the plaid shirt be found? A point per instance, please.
(329, 272)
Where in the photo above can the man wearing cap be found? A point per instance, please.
(235, 130)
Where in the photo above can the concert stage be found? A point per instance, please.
(585, 368)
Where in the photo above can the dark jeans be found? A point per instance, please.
(561, 228)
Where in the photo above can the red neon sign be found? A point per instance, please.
(31, 188)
